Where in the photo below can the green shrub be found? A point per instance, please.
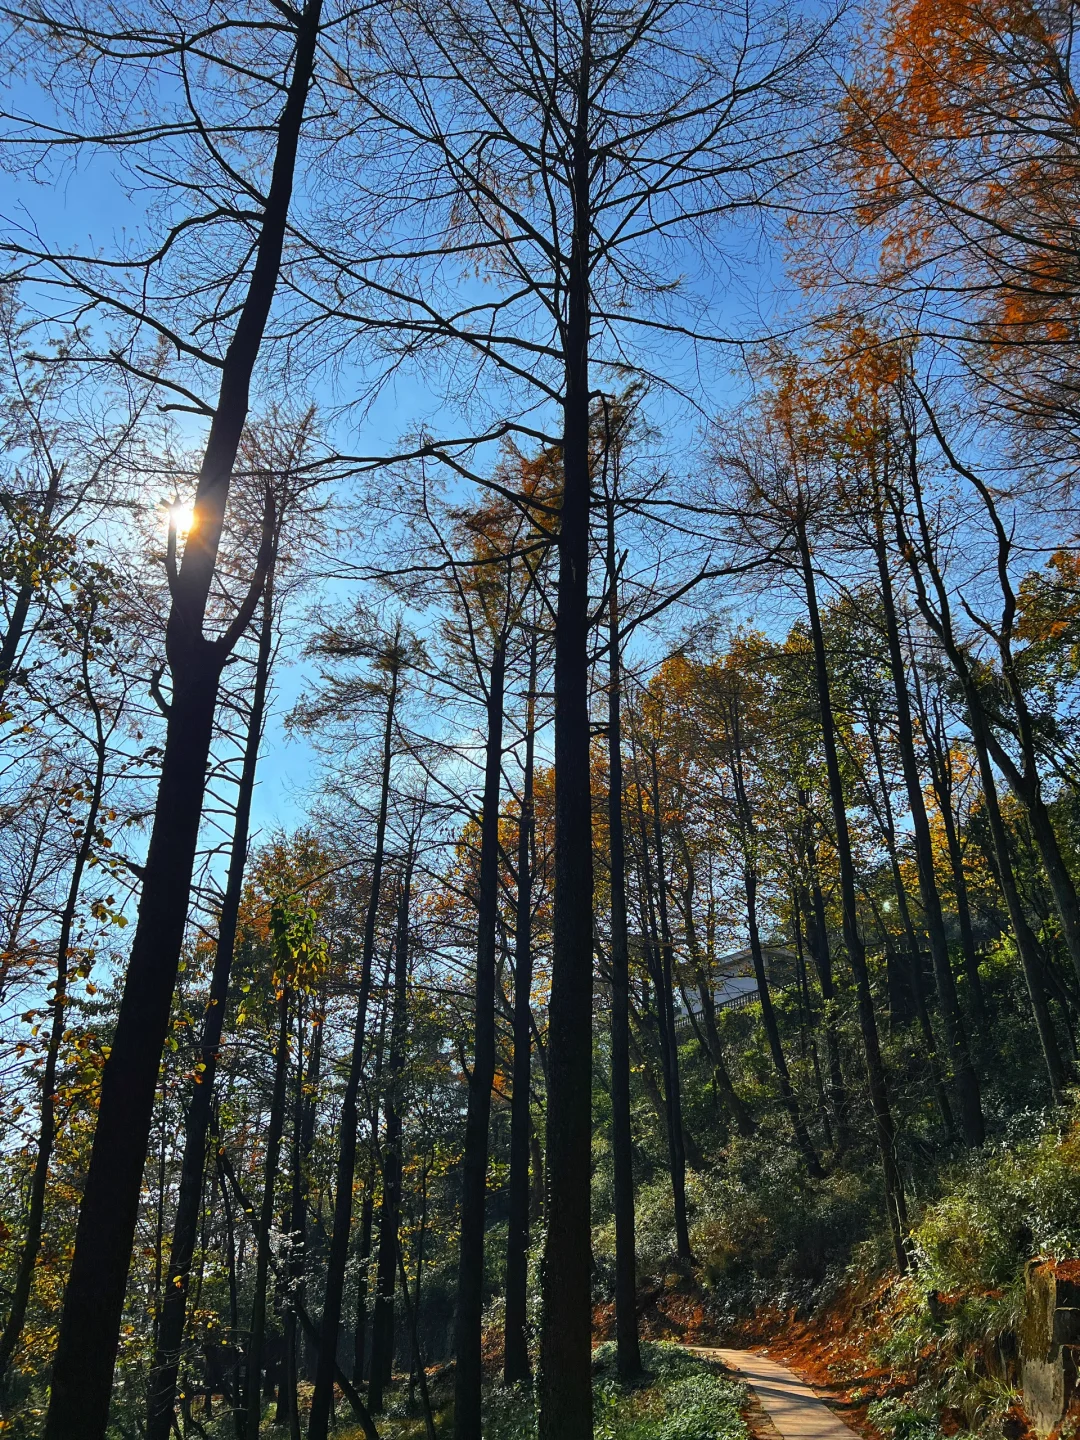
(682, 1398)
(763, 1215)
(898, 1421)
(955, 1317)
(702, 1407)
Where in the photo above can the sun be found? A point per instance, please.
(181, 515)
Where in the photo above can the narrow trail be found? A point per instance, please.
(790, 1404)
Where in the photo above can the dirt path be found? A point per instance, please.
(790, 1404)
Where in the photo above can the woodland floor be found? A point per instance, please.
(826, 1357)
(831, 1350)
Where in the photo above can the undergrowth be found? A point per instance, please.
(954, 1320)
(682, 1397)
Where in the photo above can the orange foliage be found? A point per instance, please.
(960, 138)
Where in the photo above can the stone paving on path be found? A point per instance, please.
(791, 1405)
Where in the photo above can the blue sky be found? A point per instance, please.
(86, 208)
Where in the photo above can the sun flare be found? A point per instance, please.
(181, 515)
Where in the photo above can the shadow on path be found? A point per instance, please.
(790, 1404)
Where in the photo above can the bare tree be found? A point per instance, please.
(270, 457)
(91, 59)
(561, 154)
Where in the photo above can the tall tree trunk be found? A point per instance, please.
(382, 1326)
(709, 1036)
(627, 1347)
(660, 968)
(750, 888)
(1024, 779)
(666, 1003)
(772, 1031)
(817, 939)
(412, 1316)
(367, 1221)
(230, 1246)
(162, 1387)
(895, 1204)
(356, 1403)
(256, 1342)
(421, 1240)
(807, 1021)
(468, 1373)
(914, 958)
(736, 1107)
(367, 1209)
(221, 1173)
(516, 1349)
(565, 1382)
(939, 766)
(964, 1077)
(940, 622)
(628, 1351)
(640, 1054)
(1031, 961)
(35, 1210)
(323, 1394)
(963, 915)
(304, 1117)
(1027, 787)
(94, 1297)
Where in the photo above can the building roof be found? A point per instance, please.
(736, 985)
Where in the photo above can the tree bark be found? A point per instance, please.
(807, 1022)
(356, 1404)
(515, 1348)
(162, 1387)
(323, 1394)
(1027, 787)
(367, 1221)
(421, 1239)
(274, 1132)
(662, 978)
(709, 1041)
(1031, 962)
(772, 1032)
(666, 1005)
(736, 1107)
(938, 765)
(382, 1325)
(304, 1117)
(817, 939)
(643, 1064)
(94, 1297)
(1024, 780)
(367, 1210)
(412, 1317)
(895, 1205)
(750, 888)
(964, 1077)
(468, 1373)
(627, 1347)
(914, 959)
(565, 1382)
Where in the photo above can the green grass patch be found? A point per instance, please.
(682, 1397)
